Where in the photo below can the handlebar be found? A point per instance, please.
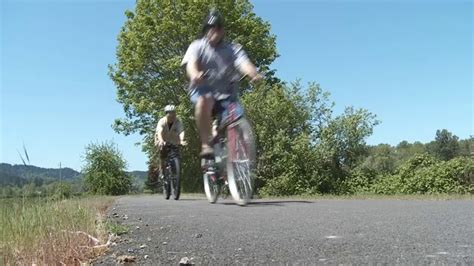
(208, 74)
(172, 146)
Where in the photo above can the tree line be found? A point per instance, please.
(303, 146)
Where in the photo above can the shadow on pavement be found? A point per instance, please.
(270, 203)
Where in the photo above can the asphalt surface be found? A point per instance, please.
(294, 231)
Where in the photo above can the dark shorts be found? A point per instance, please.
(165, 150)
(164, 153)
(200, 91)
(206, 91)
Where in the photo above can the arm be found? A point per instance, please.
(191, 62)
(181, 134)
(159, 134)
(249, 69)
(193, 72)
(181, 138)
(244, 65)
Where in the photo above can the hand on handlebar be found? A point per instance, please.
(162, 144)
(198, 78)
(256, 78)
(167, 145)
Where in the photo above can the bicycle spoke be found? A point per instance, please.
(242, 168)
(240, 161)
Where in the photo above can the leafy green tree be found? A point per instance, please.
(281, 123)
(466, 147)
(104, 170)
(301, 148)
(346, 135)
(381, 159)
(445, 146)
(148, 75)
(342, 146)
(405, 150)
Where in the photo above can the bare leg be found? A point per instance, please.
(203, 113)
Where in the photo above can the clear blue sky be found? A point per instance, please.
(408, 62)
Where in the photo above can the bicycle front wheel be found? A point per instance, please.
(241, 161)
(166, 187)
(211, 186)
(174, 184)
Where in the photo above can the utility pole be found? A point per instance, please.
(471, 145)
(60, 176)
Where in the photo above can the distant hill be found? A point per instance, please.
(29, 172)
(18, 175)
(11, 180)
(139, 174)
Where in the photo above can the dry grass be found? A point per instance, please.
(44, 232)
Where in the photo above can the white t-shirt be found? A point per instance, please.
(220, 62)
(170, 132)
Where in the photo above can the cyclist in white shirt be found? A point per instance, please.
(212, 65)
(168, 130)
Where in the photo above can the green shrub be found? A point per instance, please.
(359, 181)
(104, 171)
(424, 174)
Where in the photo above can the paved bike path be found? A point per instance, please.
(294, 231)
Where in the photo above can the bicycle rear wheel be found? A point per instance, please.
(240, 161)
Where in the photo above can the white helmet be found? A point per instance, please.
(170, 108)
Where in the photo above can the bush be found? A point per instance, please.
(61, 190)
(104, 171)
(301, 147)
(425, 175)
(360, 181)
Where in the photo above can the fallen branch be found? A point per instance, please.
(106, 245)
(94, 240)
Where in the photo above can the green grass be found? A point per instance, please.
(42, 231)
(117, 229)
(377, 197)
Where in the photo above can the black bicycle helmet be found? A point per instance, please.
(213, 19)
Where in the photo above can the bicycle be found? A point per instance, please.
(234, 150)
(171, 173)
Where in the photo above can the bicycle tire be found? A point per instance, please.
(175, 179)
(211, 187)
(166, 185)
(240, 161)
